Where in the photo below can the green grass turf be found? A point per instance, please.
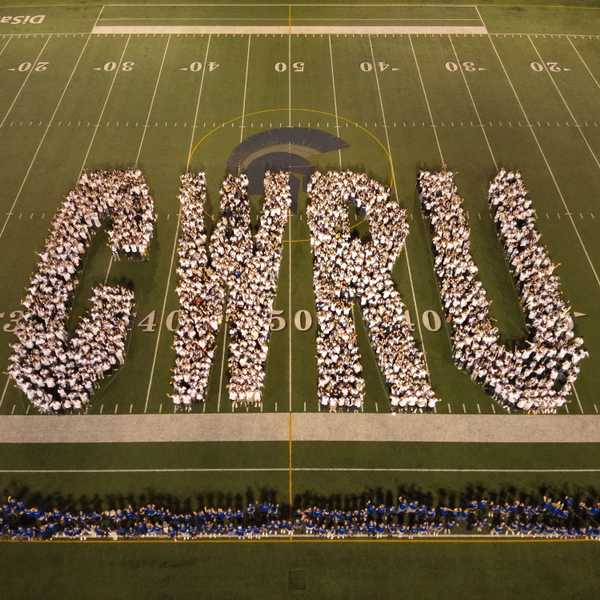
(102, 119)
(101, 122)
(54, 159)
(301, 570)
(340, 473)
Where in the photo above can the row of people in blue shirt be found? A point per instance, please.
(566, 517)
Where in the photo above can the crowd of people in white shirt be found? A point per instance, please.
(238, 275)
(235, 273)
(57, 373)
(537, 378)
(348, 270)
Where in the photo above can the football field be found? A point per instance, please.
(121, 85)
(382, 88)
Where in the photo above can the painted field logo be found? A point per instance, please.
(289, 149)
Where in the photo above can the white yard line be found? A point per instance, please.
(435, 133)
(545, 159)
(43, 138)
(99, 119)
(24, 82)
(145, 128)
(10, 37)
(473, 104)
(290, 321)
(222, 370)
(245, 90)
(566, 104)
(297, 469)
(578, 400)
(222, 364)
(393, 169)
(289, 248)
(337, 121)
(174, 250)
(99, 15)
(583, 61)
(4, 391)
(162, 64)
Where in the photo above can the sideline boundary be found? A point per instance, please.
(287, 29)
(299, 427)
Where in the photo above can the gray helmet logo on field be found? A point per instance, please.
(282, 149)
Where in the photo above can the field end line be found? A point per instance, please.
(43, 138)
(545, 159)
(139, 151)
(299, 29)
(168, 284)
(25, 80)
(566, 104)
(473, 103)
(279, 5)
(281, 19)
(297, 469)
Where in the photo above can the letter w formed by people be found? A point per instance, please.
(236, 275)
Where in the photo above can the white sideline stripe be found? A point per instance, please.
(298, 469)
(252, 427)
(286, 29)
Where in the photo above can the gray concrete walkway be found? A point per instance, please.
(281, 427)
